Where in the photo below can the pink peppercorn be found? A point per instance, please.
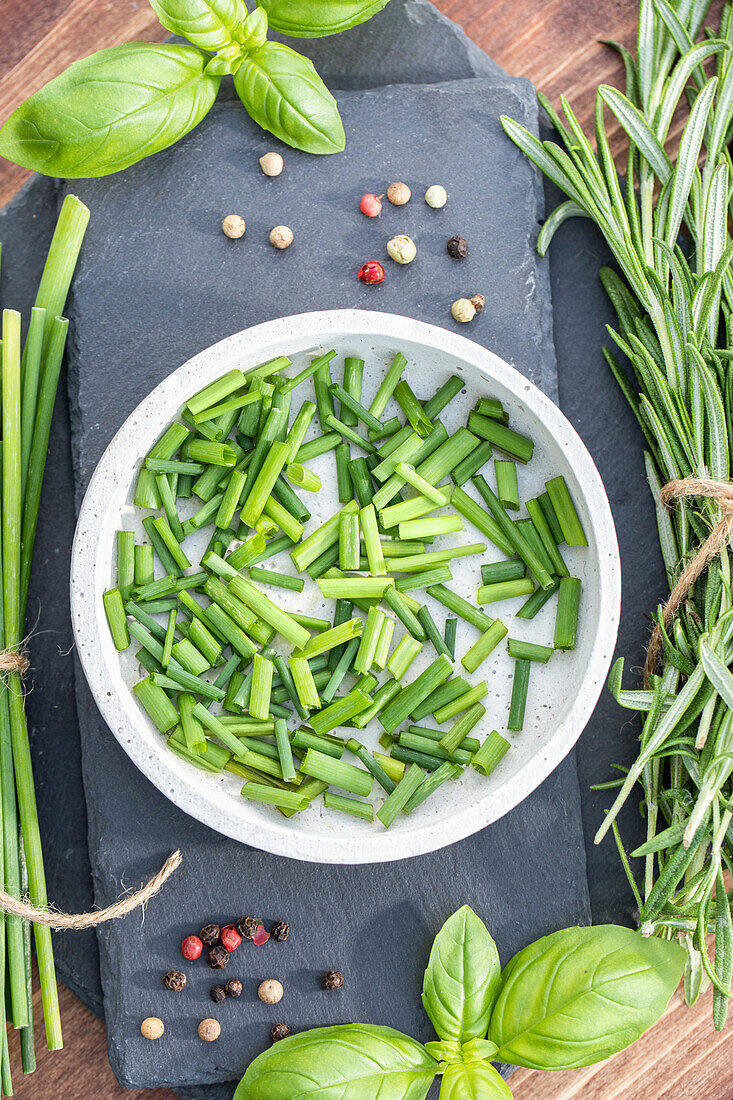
(371, 272)
(191, 948)
(261, 936)
(230, 938)
(371, 205)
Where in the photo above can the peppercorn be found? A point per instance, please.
(218, 958)
(152, 1028)
(217, 993)
(457, 247)
(402, 249)
(478, 302)
(174, 980)
(270, 991)
(247, 926)
(333, 979)
(371, 272)
(234, 226)
(280, 931)
(279, 1031)
(233, 988)
(230, 938)
(436, 196)
(209, 1030)
(463, 310)
(191, 948)
(271, 164)
(210, 934)
(398, 194)
(371, 205)
(281, 236)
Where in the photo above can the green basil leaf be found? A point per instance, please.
(210, 24)
(582, 994)
(475, 1081)
(462, 978)
(478, 1050)
(318, 18)
(226, 61)
(282, 91)
(358, 1061)
(254, 30)
(110, 110)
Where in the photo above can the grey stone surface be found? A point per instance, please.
(154, 237)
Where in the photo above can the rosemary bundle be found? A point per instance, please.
(667, 225)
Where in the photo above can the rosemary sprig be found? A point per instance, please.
(667, 227)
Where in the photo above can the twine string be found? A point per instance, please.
(722, 493)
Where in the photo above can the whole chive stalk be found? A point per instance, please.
(400, 796)
(412, 694)
(412, 409)
(507, 488)
(461, 728)
(504, 439)
(456, 706)
(337, 773)
(279, 580)
(564, 509)
(505, 590)
(114, 609)
(259, 698)
(388, 384)
(520, 686)
(513, 534)
(373, 546)
(490, 754)
(566, 619)
(529, 651)
(460, 607)
(479, 517)
(349, 541)
(485, 645)
(345, 805)
(430, 784)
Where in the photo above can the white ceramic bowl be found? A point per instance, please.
(562, 694)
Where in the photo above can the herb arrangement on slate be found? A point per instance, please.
(673, 294)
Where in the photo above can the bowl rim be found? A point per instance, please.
(122, 713)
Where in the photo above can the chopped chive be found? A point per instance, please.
(424, 579)
(272, 796)
(170, 631)
(507, 489)
(518, 702)
(350, 434)
(485, 645)
(549, 514)
(529, 531)
(410, 475)
(504, 439)
(264, 483)
(189, 657)
(426, 561)
(567, 516)
(400, 796)
(343, 478)
(513, 533)
(340, 712)
(491, 753)
(125, 563)
(205, 641)
(529, 651)
(304, 740)
(461, 728)
(114, 609)
(248, 553)
(445, 694)
(173, 466)
(332, 637)
(212, 454)
(259, 697)
(468, 744)
(462, 702)
(349, 541)
(410, 509)
(404, 453)
(472, 463)
(388, 384)
(491, 407)
(361, 481)
(542, 527)
(265, 609)
(284, 751)
(505, 590)
(346, 805)
(398, 602)
(566, 619)
(412, 409)
(460, 607)
(216, 392)
(389, 427)
(154, 700)
(354, 406)
(279, 580)
(144, 572)
(337, 773)
(450, 637)
(321, 539)
(365, 656)
(289, 384)
(373, 546)
(430, 526)
(353, 377)
(381, 653)
(537, 600)
(167, 499)
(430, 783)
(385, 782)
(379, 700)
(340, 669)
(321, 445)
(395, 769)
(193, 731)
(417, 743)
(443, 396)
(395, 713)
(215, 726)
(230, 499)
(428, 624)
(355, 587)
(497, 571)
(171, 543)
(480, 518)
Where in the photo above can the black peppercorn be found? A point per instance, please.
(278, 1032)
(174, 980)
(457, 247)
(333, 979)
(280, 931)
(247, 926)
(217, 958)
(210, 934)
(217, 993)
(233, 988)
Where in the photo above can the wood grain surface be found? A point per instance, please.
(555, 44)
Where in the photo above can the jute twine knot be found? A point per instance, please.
(14, 660)
(722, 493)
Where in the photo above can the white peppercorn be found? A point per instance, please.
(281, 236)
(234, 226)
(209, 1030)
(402, 249)
(271, 164)
(270, 991)
(436, 196)
(463, 310)
(152, 1028)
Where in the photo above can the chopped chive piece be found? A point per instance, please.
(173, 466)
(472, 463)
(410, 475)
(259, 698)
(428, 624)
(322, 539)
(460, 607)
(379, 700)
(272, 796)
(349, 541)
(193, 731)
(343, 477)
(542, 527)
(507, 488)
(431, 783)
(230, 500)
(518, 702)
(279, 620)
(424, 579)
(210, 453)
(417, 743)
(340, 712)
(355, 587)
(303, 740)
(361, 481)
(264, 483)
(216, 392)
(321, 445)
(398, 602)
(189, 657)
(341, 667)
(446, 694)
(170, 631)
(161, 711)
(468, 744)
(226, 408)
(549, 514)
(114, 609)
(395, 713)
(491, 407)
(412, 409)
(279, 580)
(125, 563)
(167, 499)
(337, 773)
(404, 453)
(450, 637)
(529, 651)
(400, 796)
(373, 546)
(513, 533)
(410, 509)
(215, 726)
(372, 765)
(395, 769)
(332, 637)
(289, 384)
(171, 543)
(531, 534)
(346, 805)
(537, 601)
(388, 384)
(567, 516)
(566, 619)
(485, 645)
(353, 376)
(505, 590)
(381, 653)
(246, 554)
(430, 526)
(370, 638)
(462, 727)
(350, 434)
(298, 430)
(491, 753)
(144, 565)
(497, 571)
(428, 560)
(443, 396)
(505, 439)
(462, 702)
(479, 517)
(205, 641)
(354, 406)
(389, 427)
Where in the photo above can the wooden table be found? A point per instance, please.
(554, 43)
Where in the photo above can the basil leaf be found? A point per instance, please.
(476, 1081)
(210, 24)
(110, 110)
(358, 1061)
(282, 91)
(462, 978)
(317, 18)
(582, 994)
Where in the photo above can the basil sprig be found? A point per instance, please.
(570, 999)
(122, 104)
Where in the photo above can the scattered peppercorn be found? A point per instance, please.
(270, 991)
(281, 236)
(402, 249)
(436, 196)
(218, 958)
(478, 302)
(261, 936)
(174, 980)
(279, 1031)
(280, 931)
(271, 164)
(457, 247)
(463, 310)
(333, 979)
(398, 194)
(209, 1030)
(233, 988)
(230, 938)
(234, 226)
(210, 934)
(247, 926)
(217, 993)
(371, 205)
(371, 272)
(152, 1028)
(191, 948)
